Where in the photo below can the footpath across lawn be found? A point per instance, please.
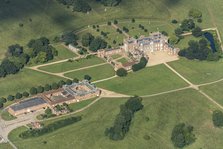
(147, 81)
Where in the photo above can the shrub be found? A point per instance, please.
(55, 86)
(3, 100)
(49, 128)
(10, 98)
(115, 22)
(40, 89)
(174, 21)
(142, 64)
(68, 82)
(121, 72)
(195, 13)
(18, 96)
(33, 91)
(25, 94)
(133, 20)
(1, 105)
(217, 118)
(47, 87)
(87, 77)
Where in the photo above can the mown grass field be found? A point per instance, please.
(23, 81)
(5, 146)
(5, 115)
(48, 18)
(66, 66)
(164, 113)
(96, 73)
(214, 91)
(198, 71)
(147, 81)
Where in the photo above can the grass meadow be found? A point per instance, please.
(147, 81)
(198, 72)
(96, 73)
(66, 66)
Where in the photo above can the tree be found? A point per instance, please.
(41, 57)
(15, 50)
(48, 112)
(87, 77)
(174, 21)
(2, 72)
(1, 105)
(197, 32)
(47, 87)
(217, 118)
(81, 6)
(187, 25)
(121, 72)
(142, 64)
(133, 20)
(33, 91)
(75, 80)
(3, 100)
(10, 98)
(18, 96)
(87, 39)
(109, 23)
(115, 22)
(69, 38)
(182, 135)
(55, 86)
(61, 83)
(97, 44)
(25, 94)
(69, 82)
(195, 13)
(123, 119)
(40, 89)
(178, 31)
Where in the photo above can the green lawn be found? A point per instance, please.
(23, 81)
(214, 91)
(115, 56)
(80, 105)
(147, 81)
(164, 113)
(5, 146)
(5, 115)
(63, 53)
(65, 66)
(97, 73)
(198, 71)
(123, 60)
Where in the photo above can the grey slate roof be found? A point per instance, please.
(28, 103)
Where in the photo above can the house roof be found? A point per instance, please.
(28, 103)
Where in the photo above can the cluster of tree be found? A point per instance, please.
(49, 128)
(40, 50)
(78, 5)
(217, 118)
(69, 38)
(143, 28)
(124, 118)
(94, 43)
(182, 135)
(142, 64)
(14, 61)
(121, 72)
(199, 50)
(110, 3)
(119, 31)
(125, 29)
